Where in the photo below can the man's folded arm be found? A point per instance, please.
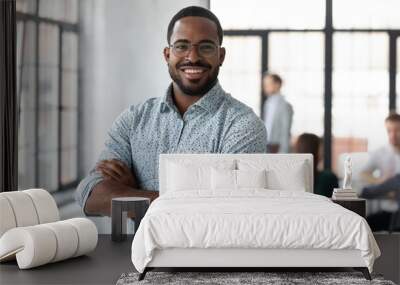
(99, 201)
(94, 193)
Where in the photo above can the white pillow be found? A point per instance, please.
(288, 174)
(251, 179)
(237, 179)
(223, 179)
(183, 174)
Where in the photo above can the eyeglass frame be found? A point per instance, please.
(171, 46)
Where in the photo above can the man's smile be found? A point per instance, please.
(193, 72)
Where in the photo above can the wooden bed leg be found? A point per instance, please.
(143, 274)
(364, 271)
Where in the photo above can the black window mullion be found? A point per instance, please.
(328, 87)
(21, 55)
(392, 69)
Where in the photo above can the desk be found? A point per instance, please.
(102, 266)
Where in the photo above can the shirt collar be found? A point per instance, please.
(276, 96)
(167, 102)
(393, 149)
(209, 102)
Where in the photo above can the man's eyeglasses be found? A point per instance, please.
(204, 49)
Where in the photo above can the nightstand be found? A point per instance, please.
(356, 205)
(119, 210)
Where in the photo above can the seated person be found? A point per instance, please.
(385, 160)
(324, 181)
(389, 189)
(195, 116)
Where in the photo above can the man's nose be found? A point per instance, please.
(193, 54)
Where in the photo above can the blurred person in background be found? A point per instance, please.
(324, 180)
(278, 114)
(385, 160)
(384, 219)
(382, 176)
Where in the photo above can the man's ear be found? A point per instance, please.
(222, 53)
(166, 54)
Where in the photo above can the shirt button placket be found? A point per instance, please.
(178, 133)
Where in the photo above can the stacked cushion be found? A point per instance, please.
(30, 230)
(41, 244)
(26, 208)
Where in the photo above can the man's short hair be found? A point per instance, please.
(194, 11)
(275, 77)
(393, 117)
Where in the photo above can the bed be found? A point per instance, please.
(246, 211)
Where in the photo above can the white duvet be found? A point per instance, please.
(252, 218)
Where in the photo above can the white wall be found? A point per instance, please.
(121, 44)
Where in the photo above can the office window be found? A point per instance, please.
(270, 14)
(240, 74)
(47, 88)
(48, 106)
(360, 60)
(299, 59)
(370, 14)
(63, 10)
(69, 108)
(360, 91)
(26, 6)
(26, 90)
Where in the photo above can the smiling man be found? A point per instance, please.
(195, 116)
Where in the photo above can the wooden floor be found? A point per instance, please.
(106, 264)
(102, 266)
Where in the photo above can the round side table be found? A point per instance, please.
(119, 209)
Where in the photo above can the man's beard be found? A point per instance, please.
(189, 90)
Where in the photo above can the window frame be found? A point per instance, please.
(327, 32)
(63, 27)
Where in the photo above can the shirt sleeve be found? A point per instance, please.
(117, 146)
(372, 163)
(380, 190)
(246, 134)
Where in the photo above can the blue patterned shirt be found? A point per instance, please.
(216, 123)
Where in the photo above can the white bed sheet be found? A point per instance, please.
(252, 218)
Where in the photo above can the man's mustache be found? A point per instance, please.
(193, 64)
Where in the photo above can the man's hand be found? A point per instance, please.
(118, 171)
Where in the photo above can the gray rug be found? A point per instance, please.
(229, 278)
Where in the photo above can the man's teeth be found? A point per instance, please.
(193, 71)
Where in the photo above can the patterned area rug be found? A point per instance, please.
(225, 278)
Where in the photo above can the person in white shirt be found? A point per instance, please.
(385, 185)
(385, 160)
(278, 114)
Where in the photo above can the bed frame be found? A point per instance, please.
(247, 259)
